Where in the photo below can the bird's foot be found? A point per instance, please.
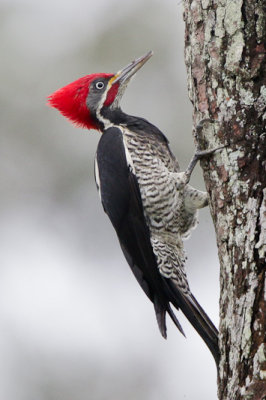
(199, 154)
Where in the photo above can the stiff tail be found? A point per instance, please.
(197, 317)
(160, 311)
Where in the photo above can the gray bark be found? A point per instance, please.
(225, 59)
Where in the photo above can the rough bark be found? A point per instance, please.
(225, 59)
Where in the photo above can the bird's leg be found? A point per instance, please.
(197, 156)
(194, 198)
(199, 153)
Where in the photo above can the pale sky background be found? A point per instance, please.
(74, 324)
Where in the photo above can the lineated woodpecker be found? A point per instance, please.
(144, 193)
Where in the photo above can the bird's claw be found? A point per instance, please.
(197, 156)
(200, 125)
(203, 153)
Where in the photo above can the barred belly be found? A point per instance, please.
(162, 195)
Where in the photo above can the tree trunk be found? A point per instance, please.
(225, 59)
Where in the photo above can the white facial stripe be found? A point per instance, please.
(107, 124)
(97, 177)
(128, 156)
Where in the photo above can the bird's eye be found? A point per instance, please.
(99, 85)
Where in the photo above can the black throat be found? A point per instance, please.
(113, 116)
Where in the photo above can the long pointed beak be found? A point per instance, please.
(126, 73)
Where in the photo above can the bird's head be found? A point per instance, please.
(85, 100)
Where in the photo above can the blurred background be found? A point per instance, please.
(74, 323)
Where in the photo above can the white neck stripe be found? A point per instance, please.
(106, 122)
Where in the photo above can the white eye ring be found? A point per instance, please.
(99, 85)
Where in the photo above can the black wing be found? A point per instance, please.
(121, 200)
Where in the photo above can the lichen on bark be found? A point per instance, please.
(225, 59)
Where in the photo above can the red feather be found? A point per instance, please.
(70, 100)
(111, 95)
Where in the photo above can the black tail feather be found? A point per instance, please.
(175, 320)
(197, 317)
(160, 312)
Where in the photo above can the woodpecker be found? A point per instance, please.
(146, 196)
